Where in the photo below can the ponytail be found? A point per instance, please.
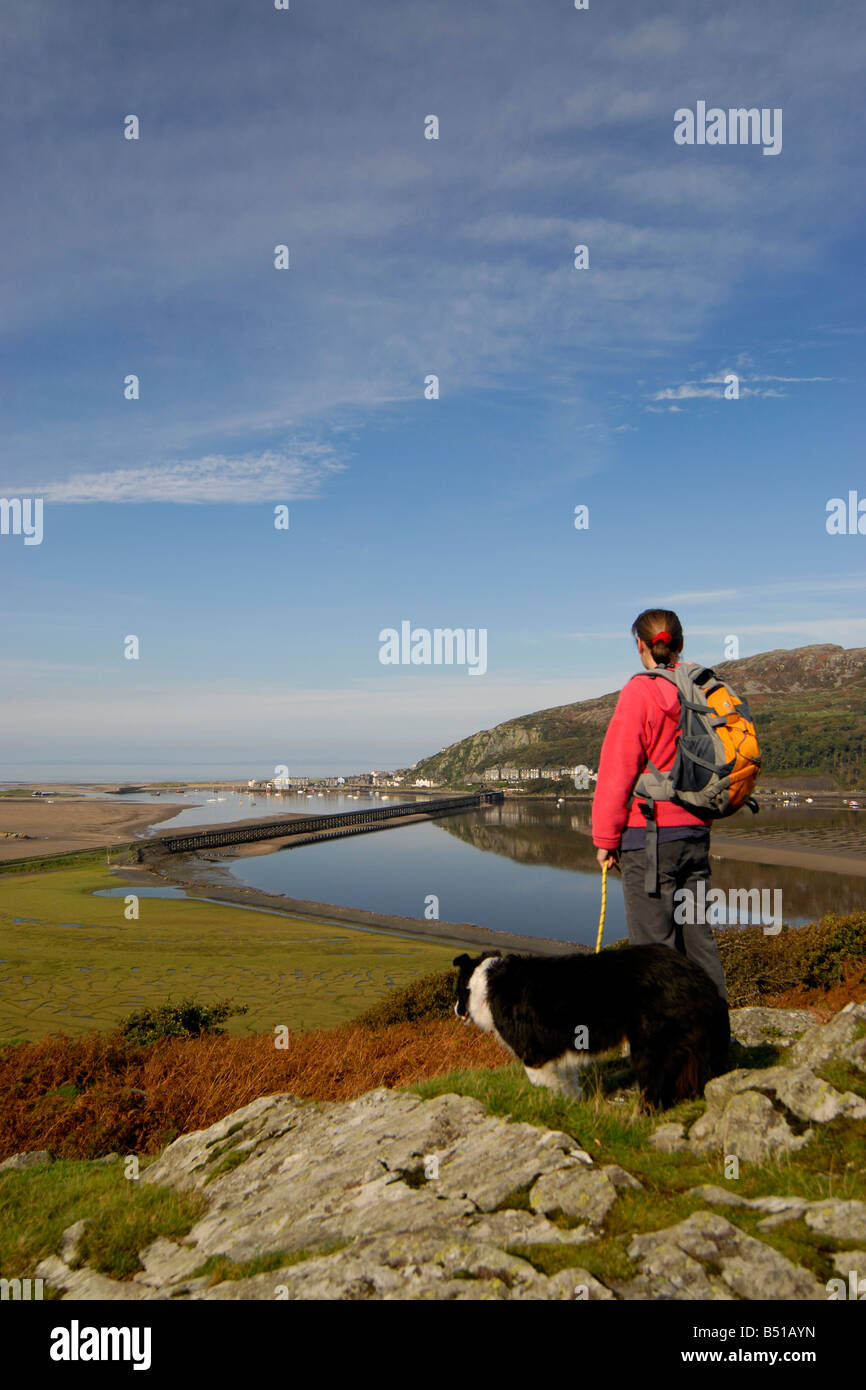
(661, 630)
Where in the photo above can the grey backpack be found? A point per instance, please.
(717, 760)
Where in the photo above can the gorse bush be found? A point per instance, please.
(817, 956)
(431, 996)
(184, 1020)
(842, 941)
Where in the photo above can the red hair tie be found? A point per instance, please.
(662, 637)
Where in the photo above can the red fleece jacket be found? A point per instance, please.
(643, 729)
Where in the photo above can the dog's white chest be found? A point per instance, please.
(479, 1006)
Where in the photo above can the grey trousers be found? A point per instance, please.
(651, 920)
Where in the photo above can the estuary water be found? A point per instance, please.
(523, 866)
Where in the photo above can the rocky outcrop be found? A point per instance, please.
(387, 1196)
(708, 1257)
(753, 1114)
(758, 1024)
(394, 1197)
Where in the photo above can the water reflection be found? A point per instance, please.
(523, 866)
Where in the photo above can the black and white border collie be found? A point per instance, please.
(554, 1013)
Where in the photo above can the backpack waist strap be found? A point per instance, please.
(651, 878)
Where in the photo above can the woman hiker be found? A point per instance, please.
(643, 728)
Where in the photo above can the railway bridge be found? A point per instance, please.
(319, 827)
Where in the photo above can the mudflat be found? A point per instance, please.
(790, 853)
(34, 825)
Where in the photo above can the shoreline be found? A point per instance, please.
(181, 871)
(33, 827)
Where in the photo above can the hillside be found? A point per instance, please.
(809, 703)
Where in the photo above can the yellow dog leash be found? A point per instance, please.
(603, 906)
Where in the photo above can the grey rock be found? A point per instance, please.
(747, 1267)
(165, 1262)
(581, 1194)
(781, 1027)
(669, 1138)
(574, 1284)
(810, 1098)
(317, 1174)
(70, 1241)
(620, 1178)
(433, 1264)
(847, 1262)
(718, 1196)
(524, 1228)
(836, 1039)
(85, 1283)
(19, 1163)
(781, 1208)
(748, 1126)
(841, 1220)
(747, 1111)
(798, 1089)
(721, 1196)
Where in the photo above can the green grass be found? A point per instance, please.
(75, 858)
(844, 1076)
(76, 978)
(227, 1163)
(832, 1164)
(123, 1216)
(219, 1268)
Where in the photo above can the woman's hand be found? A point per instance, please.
(610, 857)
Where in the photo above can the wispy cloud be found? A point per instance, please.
(713, 387)
(293, 474)
(806, 584)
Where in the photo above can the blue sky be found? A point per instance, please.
(410, 256)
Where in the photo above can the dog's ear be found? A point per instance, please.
(461, 960)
